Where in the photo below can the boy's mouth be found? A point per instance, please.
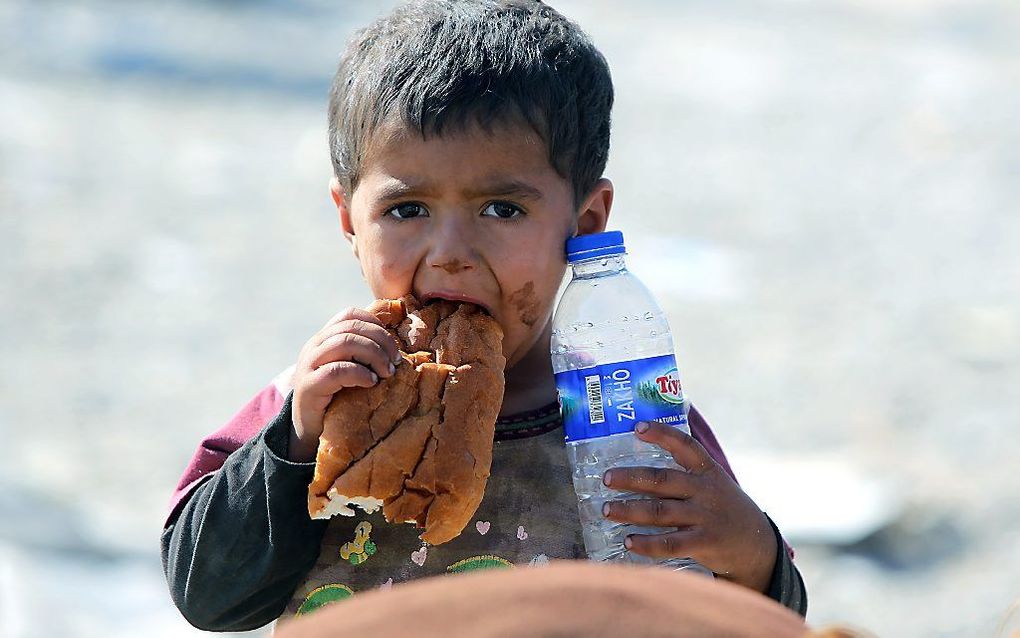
(453, 296)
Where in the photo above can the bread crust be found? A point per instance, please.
(419, 443)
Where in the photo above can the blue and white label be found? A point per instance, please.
(611, 398)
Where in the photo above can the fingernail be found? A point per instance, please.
(375, 378)
(607, 478)
(397, 359)
(605, 509)
(392, 369)
(628, 543)
(641, 427)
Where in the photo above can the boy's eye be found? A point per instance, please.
(408, 211)
(502, 210)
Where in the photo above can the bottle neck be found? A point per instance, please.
(599, 266)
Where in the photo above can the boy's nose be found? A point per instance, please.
(451, 246)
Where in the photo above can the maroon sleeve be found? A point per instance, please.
(703, 434)
(215, 448)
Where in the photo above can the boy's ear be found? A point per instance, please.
(340, 199)
(593, 214)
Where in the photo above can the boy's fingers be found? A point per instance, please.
(332, 377)
(679, 544)
(656, 481)
(353, 313)
(348, 346)
(655, 512)
(372, 331)
(687, 452)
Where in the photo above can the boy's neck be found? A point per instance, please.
(530, 383)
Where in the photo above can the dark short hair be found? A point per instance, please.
(442, 64)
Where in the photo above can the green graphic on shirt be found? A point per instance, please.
(357, 559)
(325, 595)
(358, 550)
(479, 562)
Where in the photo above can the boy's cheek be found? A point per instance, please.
(387, 279)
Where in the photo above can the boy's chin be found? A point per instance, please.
(533, 350)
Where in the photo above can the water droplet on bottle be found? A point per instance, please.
(625, 318)
(649, 316)
(588, 324)
(652, 333)
(598, 344)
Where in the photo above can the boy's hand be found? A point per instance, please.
(353, 349)
(719, 525)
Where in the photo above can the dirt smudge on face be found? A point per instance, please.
(526, 303)
(453, 266)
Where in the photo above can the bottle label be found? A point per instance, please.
(611, 398)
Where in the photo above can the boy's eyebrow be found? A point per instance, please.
(503, 189)
(395, 189)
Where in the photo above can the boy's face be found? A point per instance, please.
(473, 216)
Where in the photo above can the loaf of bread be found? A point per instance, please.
(419, 443)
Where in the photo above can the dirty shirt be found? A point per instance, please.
(239, 549)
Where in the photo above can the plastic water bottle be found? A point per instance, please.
(612, 353)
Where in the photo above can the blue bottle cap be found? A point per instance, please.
(595, 245)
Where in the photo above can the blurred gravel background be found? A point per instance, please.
(823, 194)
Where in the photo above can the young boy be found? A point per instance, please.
(468, 141)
